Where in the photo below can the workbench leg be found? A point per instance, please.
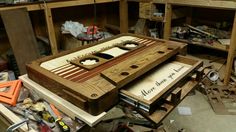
(231, 53)
(51, 31)
(123, 16)
(167, 22)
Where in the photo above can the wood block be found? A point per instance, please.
(126, 71)
(21, 36)
(176, 95)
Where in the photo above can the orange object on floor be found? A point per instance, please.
(10, 96)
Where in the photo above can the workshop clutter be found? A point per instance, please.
(202, 34)
(29, 112)
(75, 34)
(81, 32)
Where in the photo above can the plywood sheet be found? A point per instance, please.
(21, 36)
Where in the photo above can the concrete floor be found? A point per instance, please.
(203, 118)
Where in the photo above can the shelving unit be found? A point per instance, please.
(211, 4)
(47, 8)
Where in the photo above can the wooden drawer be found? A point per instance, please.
(165, 83)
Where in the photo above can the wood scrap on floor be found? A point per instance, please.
(222, 99)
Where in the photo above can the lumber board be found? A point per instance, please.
(63, 105)
(231, 53)
(51, 30)
(21, 36)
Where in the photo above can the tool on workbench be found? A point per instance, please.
(58, 119)
(18, 125)
(10, 96)
(19, 111)
(46, 116)
(43, 127)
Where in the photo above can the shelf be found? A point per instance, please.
(223, 4)
(216, 45)
(53, 4)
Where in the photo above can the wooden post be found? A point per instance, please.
(231, 53)
(50, 28)
(123, 16)
(167, 25)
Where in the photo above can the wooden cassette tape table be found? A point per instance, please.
(95, 76)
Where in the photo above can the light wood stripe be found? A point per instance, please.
(73, 79)
(68, 76)
(71, 70)
(151, 43)
(63, 70)
(61, 67)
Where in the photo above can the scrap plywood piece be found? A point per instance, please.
(21, 36)
(222, 99)
(145, 10)
(63, 105)
(141, 27)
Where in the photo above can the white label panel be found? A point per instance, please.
(154, 83)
